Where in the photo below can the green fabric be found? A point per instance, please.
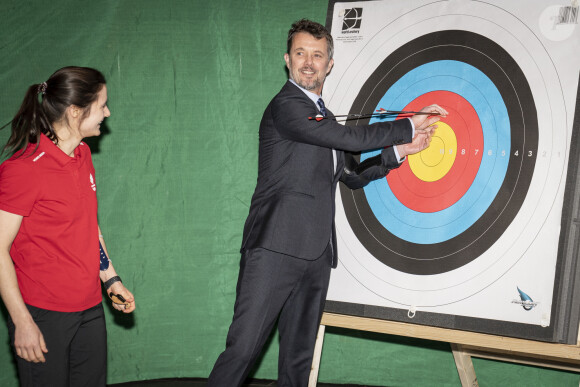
(176, 167)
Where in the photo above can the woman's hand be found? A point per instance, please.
(122, 299)
(29, 342)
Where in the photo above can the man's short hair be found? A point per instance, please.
(313, 28)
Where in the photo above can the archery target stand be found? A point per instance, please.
(464, 345)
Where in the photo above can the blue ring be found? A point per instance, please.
(482, 94)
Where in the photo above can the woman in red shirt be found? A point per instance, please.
(50, 265)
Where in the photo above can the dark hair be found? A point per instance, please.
(313, 28)
(68, 86)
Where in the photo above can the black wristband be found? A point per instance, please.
(111, 281)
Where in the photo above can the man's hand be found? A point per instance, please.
(423, 121)
(420, 142)
(29, 342)
(424, 129)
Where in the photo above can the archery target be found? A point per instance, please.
(454, 219)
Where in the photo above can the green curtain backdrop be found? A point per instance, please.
(176, 167)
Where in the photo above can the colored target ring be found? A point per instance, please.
(413, 241)
(435, 162)
(451, 185)
(484, 97)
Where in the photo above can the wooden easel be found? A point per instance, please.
(463, 344)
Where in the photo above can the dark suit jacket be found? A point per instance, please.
(292, 209)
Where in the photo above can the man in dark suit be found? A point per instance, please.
(289, 241)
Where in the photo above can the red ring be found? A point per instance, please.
(423, 196)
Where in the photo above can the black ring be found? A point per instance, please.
(487, 56)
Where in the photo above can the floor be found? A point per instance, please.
(196, 382)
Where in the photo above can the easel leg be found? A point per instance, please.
(316, 357)
(464, 367)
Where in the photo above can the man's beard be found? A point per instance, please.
(315, 83)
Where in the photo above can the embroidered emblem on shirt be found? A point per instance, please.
(93, 185)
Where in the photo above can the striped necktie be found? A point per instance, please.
(322, 108)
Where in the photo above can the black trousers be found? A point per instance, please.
(77, 349)
(272, 285)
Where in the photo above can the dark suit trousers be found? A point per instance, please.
(271, 285)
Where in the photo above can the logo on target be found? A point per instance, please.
(351, 20)
(525, 301)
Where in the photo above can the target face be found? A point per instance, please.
(438, 214)
(457, 221)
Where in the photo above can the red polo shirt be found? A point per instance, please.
(56, 250)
